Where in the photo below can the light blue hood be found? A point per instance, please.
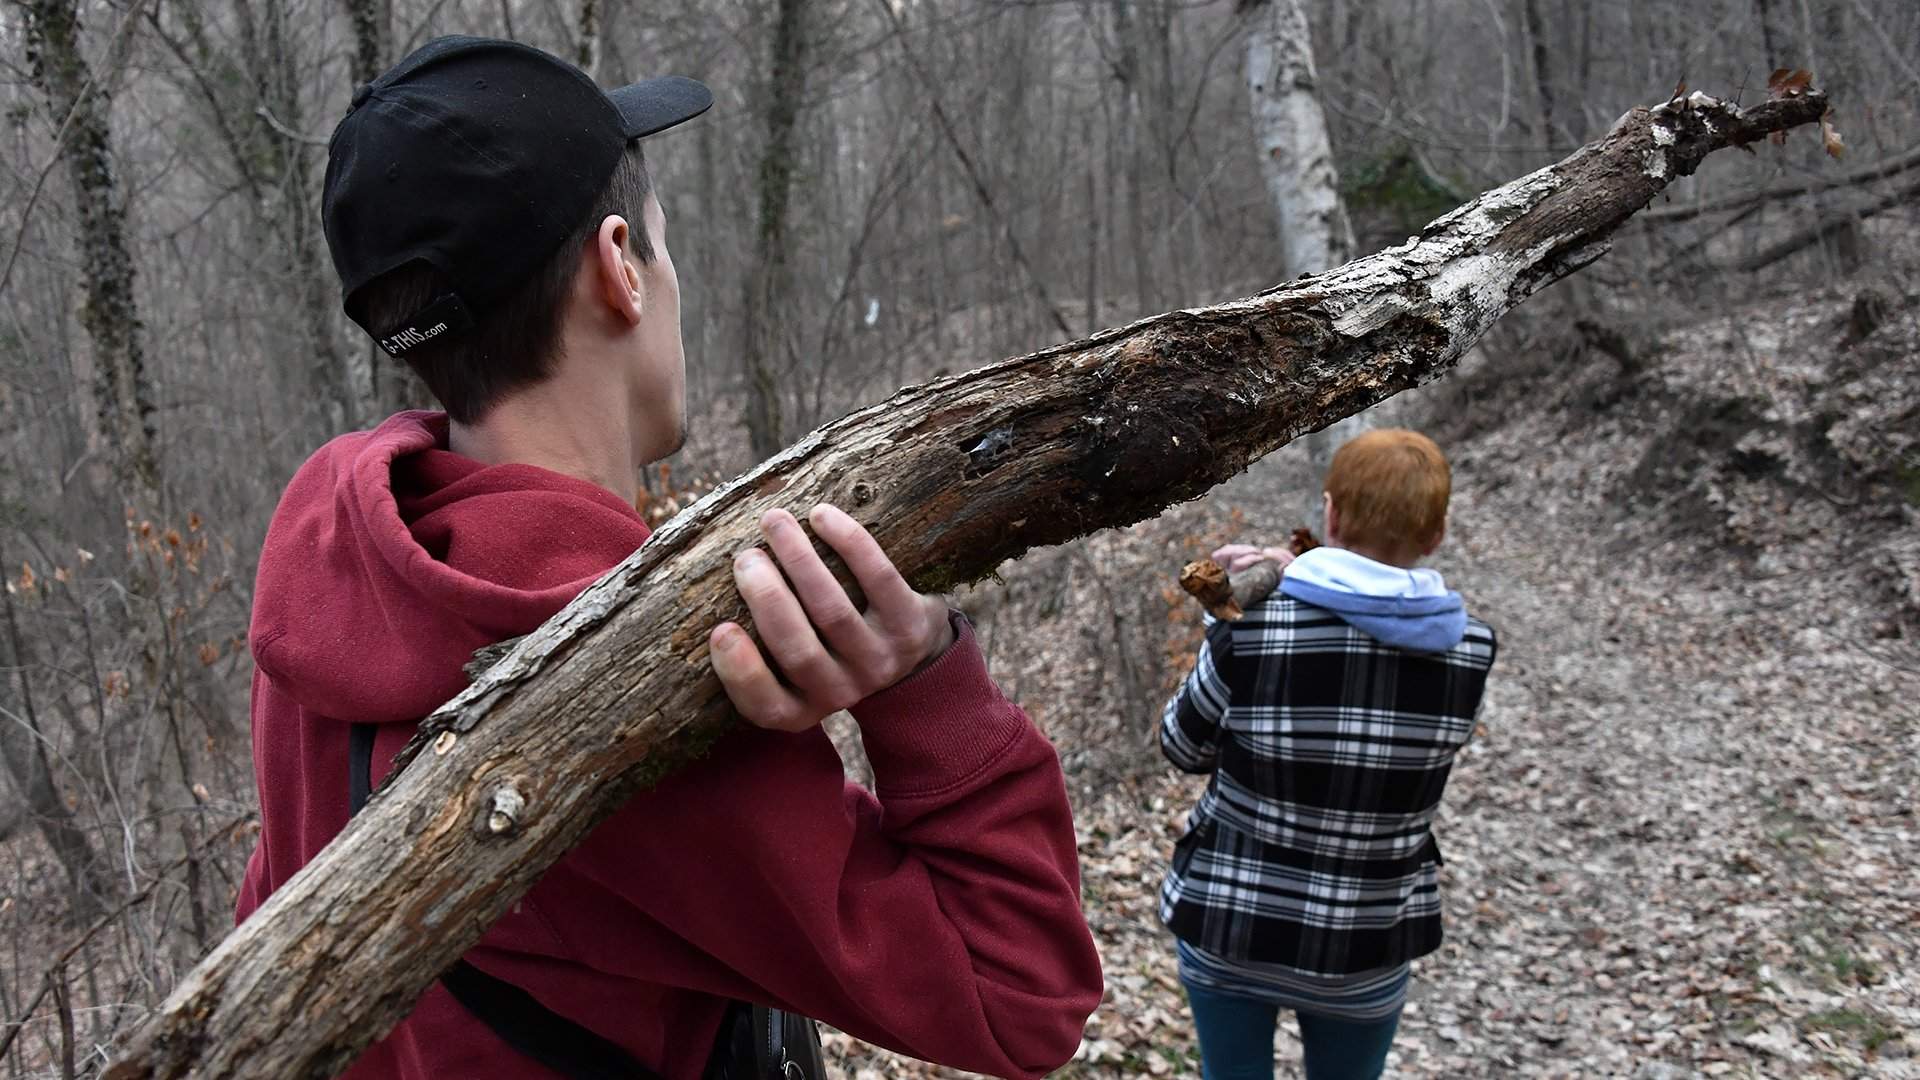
(1407, 609)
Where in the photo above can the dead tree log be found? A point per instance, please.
(953, 477)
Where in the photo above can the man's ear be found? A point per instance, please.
(1439, 535)
(1330, 526)
(619, 279)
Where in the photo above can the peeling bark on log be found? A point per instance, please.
(953, 477)
(1228, 598)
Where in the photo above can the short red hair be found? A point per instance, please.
(1391, 487)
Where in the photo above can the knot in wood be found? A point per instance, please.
(444, 742)
(503, 818)
(862, 493)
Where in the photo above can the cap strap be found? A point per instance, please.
(446, 315)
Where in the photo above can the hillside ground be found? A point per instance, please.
(1682, 841)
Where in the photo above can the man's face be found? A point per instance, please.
(660, 390)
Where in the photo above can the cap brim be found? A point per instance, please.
(654, 105)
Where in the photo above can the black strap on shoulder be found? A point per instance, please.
(516, 1016)
(359, 766)
(538, 1032)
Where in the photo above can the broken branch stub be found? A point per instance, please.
(953, 478)
(1228, 598)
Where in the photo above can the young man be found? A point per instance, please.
(492, 222)
(1327, 719)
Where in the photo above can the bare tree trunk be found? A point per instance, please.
(953, 478)
(590, 48)
(1536, 28)
(79, 105)
(1126, 68)
(767, 284)
(1296, 158)
(1290, 130)
(296, 228)
(390, 384)
(23, 754)
(1772, 40)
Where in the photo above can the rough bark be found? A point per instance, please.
(79, 104)
(953, 477)
(1296, 158)
(767, 283)
(370, 34)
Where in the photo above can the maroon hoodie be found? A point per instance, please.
(939, 917)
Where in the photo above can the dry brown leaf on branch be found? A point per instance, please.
(1830, 137)
(1786, 82)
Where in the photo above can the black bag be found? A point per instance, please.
(761, 1043)
(755, 1042)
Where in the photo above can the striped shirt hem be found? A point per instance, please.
(1364, 995)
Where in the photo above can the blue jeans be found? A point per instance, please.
(1236, 1040)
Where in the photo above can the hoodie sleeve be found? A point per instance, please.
(940, 917)
(1190, 726)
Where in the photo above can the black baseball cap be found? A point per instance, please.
(477, 156)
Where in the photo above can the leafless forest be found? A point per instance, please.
(887, 190)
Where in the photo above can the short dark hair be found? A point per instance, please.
(516, 343)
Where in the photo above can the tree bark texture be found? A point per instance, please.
(78, 103)
(767, 283)
(370, 33)
(1296, 158)
(953, 477)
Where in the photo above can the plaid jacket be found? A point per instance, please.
(1328, 751)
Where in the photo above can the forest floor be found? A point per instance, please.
(1682, 842)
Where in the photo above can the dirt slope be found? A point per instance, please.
(1683, 843)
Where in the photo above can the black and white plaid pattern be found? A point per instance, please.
(1328, 751)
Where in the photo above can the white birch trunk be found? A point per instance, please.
(1296, 158)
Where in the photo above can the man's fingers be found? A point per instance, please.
(751, 684)
(888, 595)
(820, 593)
(785, 628)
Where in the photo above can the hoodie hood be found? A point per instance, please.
(1407, 609)
(390, 559)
